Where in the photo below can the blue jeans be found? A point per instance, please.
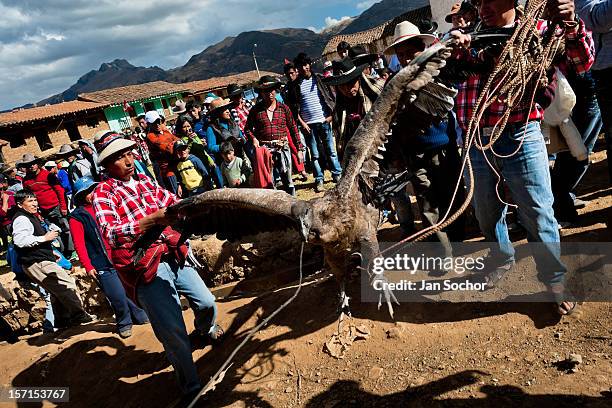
(527, 176)
(49, 322)
(319, 138)
(125, 310)
(160, 299)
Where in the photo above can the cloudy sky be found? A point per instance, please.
(46, 45)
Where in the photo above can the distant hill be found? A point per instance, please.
(235, 54)
(110, 74)
(381, 12)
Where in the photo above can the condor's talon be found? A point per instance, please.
(388, 294)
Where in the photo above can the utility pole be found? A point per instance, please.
(255, 60)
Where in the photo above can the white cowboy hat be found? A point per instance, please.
(405, 31)
(115, 146)
(152, 116)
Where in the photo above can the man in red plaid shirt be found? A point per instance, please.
(270, 124)
(128, 206)
(519, 156)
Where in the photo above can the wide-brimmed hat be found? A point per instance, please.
(405, 31)
(113, 146)
(344, 71)
(50, 163)
(28, 159)
(267, 82)
(67, 150)
(83, 186)
(179, 107)
(234, 90)
(427, 26)
(458, 8)
(219, 105)
(100, 134)
(152, 116)
(359, 55)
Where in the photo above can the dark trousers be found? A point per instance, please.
(126, 311)
(436, 172)
(568, 171)
(4, 234)
(54, 216)
(603, 87)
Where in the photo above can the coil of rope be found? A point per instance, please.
(520, 71)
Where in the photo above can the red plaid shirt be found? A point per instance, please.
(282, 126)
(119, 207)
(240, 115)
(579, 53)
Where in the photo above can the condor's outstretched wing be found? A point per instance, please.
(414, 88)
(232, 213)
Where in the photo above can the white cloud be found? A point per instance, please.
(45, 46)
(366, 4)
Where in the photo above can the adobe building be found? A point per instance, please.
(42, 130)
(218, 85)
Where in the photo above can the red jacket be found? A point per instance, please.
(47, 188)
(78, 237)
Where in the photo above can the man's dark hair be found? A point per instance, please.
(139, 117)
(343, 46)
(190, 105)
(226, 147)
(383, 71)
(301, 60)
(23, 194)
(288, 66)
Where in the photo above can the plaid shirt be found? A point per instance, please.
(579, 53)
(240, 115)
(119, 208)
(282, 127)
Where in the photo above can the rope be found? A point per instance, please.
(220, 374)
(513, 74)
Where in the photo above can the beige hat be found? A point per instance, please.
(100, 134)
(66, 150)
(116, 145)
(219, 104)
(29, 158)
(406, 31)
(50, 163)
(179, 107)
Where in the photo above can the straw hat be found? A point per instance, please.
(67, 150)
(28, 159)
(114, 146)
(179, 107)
(219, 105)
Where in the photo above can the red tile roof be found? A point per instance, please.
(386, 29)
(132, 92)
(46, 112)
(212, 84)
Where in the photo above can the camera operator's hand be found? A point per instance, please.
(561, 10)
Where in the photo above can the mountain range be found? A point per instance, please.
(235, 54)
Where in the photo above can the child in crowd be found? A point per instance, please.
(193, 176)
(236, 172)
(93, 253)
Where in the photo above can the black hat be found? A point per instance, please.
(344, 71)
(234, 90)
(343, 45)
(267, 82)
(359, 55)
(427, 26)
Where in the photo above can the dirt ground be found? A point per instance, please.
(442, 354)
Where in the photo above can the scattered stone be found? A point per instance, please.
(288, 390)
(395, 333)
(575, 358)
(494, 380)
(530, 357)
(558, 335)
(488, 354)
(375, 373)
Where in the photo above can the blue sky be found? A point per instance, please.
(46, 45)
